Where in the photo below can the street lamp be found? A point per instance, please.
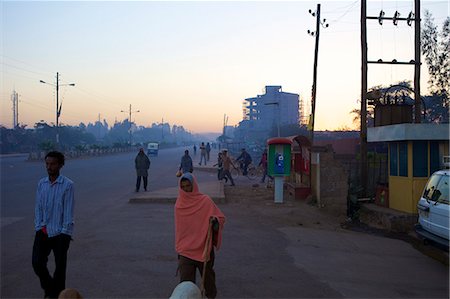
(129, 120)
(58, 107)
(278, 117)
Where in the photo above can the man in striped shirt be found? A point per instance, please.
(53, 225)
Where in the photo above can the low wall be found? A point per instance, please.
(37, 156)
(333, 181)
(388, 219)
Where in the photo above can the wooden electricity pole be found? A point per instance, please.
(316, 33)
(363, 129)
(364, 61)
(417, 100)
(314, 86)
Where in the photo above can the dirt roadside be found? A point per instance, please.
(289, 213)
(255, 196)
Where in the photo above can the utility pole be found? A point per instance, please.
(416, 62)
(58, 106)
(15, 100)
(129, 121)
(316, 57)
(417, 101)
(363, 128)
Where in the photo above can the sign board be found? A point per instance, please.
(279, 159)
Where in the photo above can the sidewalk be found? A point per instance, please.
(214, 189)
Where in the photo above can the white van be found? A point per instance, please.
(434, 209)
(152, 148)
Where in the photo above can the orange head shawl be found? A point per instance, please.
(192, 213)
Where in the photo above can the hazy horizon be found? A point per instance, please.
(189, 63)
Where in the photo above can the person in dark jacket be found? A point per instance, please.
(142, 164)
(244, 159)
(263, 163)
(186, 163)
(208, 150)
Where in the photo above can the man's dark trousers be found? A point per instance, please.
(42, 247)
(138, 182)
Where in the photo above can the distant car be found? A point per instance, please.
(434, 209)
(152, 148)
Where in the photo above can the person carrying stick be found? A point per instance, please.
(198, 230)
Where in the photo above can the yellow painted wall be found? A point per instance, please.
(405, 192)
(400, 194)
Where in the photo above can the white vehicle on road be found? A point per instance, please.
(434, 209)
(152, 148)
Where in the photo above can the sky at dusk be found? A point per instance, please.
(191, 62)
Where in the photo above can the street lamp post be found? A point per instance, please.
(278, 114)
(129, 121)
(58, 107)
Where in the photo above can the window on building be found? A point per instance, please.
(434, 157)
(393, 155)
(420, 158)
(403, 159)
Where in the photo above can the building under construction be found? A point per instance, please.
(268, 112)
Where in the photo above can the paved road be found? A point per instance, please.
(126, 250)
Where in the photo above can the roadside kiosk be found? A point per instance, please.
(279, 163)
(415, 152)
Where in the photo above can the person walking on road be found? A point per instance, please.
(244, 159)
(186, 163)
(198, 230)
(208, 150)
(263, 163)
(219, 165)
(53, 223)
(195, 150)
(142, 164)
(202, 153)
(227, 163)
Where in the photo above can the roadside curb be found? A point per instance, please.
(213, 189)
(387, 219)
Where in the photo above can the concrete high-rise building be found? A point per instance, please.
(271, 110)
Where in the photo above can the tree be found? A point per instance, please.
(357, 118)
(435, 48)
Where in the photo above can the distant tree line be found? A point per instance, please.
(42, 137)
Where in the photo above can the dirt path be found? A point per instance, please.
(253, 195)
(293, 213)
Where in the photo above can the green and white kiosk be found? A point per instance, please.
(279, 163)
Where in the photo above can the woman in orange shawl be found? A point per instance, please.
(194, 212)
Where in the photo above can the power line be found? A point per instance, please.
(345, 13)
(92, 95)
(20, 75)
(22, 69)
(338, 9)
(35, 105)
(26, 63)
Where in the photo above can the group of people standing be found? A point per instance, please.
(205, 150)
(198, 221)
(224, 164)
(198, 226)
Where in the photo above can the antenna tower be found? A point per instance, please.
(15, 100)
